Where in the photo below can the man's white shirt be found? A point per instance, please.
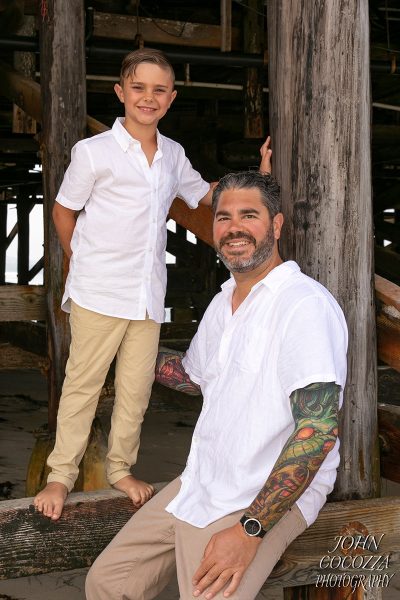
(288, 333)
(118, 246)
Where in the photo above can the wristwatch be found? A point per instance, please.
(252, 527)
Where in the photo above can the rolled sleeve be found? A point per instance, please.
(313, 348)
(192, 187)
(78, 180)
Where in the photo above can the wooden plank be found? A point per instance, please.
(24, 92)
(15, 359)
(22, 303)
(198, 221)
(389, 438)
(387, 292)
(226, 25)
(387, 262)
(31, 544)
(161, 31)
(388, 321)
(26, 335)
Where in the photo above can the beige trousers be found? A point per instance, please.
(140, 560)
(95, 340)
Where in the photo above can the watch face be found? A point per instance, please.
(252, 527)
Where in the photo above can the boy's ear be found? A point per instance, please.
(119, 91)
(173, 96)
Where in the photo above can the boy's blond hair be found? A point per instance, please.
(145, 55)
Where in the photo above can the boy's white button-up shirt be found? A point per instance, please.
(288, 333)
(118, 246)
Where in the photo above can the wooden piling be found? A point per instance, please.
(62, 56)
(320, 121)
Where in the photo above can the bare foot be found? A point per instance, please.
(138, 491)
(50, 501)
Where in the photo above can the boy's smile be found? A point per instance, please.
(147, 95)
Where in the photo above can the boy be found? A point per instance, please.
(123, 181)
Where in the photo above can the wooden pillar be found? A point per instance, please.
(3, 236)
(320, 122)
(63, 85)
(23, 211)
(253, 94)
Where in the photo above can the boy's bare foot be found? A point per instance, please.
(50, 501)
(138, 491)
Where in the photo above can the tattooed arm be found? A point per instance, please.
(230, 551)
(170, 372)
(315, 412)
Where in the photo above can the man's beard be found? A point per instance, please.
(263, 251)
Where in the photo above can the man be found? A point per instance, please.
(270, 359)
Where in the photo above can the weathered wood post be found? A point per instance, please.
(63, 85)
(253, 93)
(320, 122)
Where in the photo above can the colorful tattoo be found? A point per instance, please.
(170, 372)
(315, 412)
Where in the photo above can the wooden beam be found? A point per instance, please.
(198, 221)
(226, 25)
(22, 303)
(387, 262)
(31, 544)
(21, 90)
(389, 438)
(161, 31)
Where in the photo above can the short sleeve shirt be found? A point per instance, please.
(118, 246)
(288, 333)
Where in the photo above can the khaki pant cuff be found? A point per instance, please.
(116, 476)
(53, 477)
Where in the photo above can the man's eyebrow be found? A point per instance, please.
(242, 211)
(247, 211)
(222, 213)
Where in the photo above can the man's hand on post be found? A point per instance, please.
(226, 558)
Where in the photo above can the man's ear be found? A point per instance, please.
(119, 91)
(277, 225)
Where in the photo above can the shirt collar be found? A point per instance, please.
(272, 281)
(125, 139)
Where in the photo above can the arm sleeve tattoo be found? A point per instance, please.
(315, 412)
(170, 372)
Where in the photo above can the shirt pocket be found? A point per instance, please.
(168, 189)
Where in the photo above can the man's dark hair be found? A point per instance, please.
(269, 188)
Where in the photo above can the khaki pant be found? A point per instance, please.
(140, 560)
(95, 340)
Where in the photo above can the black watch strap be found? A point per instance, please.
(252, 527)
